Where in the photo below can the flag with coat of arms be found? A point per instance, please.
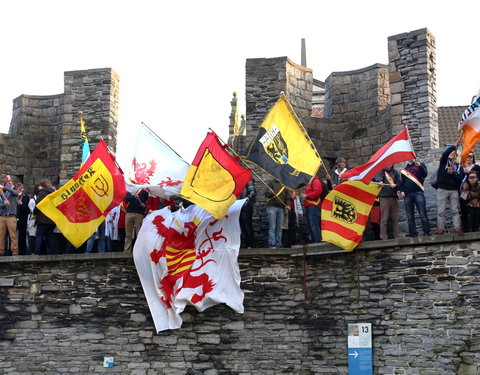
(188, 257)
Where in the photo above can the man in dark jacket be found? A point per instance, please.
(249, 193)
(390, 178)
(449, 177)
(45, 225)
(22, 215)
(136, 210)
(412, 190)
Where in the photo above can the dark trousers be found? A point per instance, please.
(45, 233)
(474, 217)
(22, 239)
(416, 199)
(246, 225)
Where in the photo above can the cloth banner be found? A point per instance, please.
(85, 145)
(155, 166)
(283, 149)
(81, 205)
(215, 179)
(345, 213)
(470, 126)
(188, 257)
(398, 149)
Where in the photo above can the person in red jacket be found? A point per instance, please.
(312, 201)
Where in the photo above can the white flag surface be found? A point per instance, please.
(188, 257)
(155, 166)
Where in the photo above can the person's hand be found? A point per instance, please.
(6, 202)
(303, 195)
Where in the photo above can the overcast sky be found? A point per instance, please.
(180, 61)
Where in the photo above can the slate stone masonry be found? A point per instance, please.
(62, 315)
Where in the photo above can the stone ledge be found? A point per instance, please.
(323, 248)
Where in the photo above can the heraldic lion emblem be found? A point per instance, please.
(275, 146)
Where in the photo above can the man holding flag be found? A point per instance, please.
(346, 208)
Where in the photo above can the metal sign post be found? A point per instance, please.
(360, 349)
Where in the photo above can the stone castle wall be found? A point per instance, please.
(63, 314)
(44, 136)
(363, 109)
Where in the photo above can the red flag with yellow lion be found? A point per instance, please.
(80, 206)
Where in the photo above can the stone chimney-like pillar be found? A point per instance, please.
(95, 93)
(412, 74)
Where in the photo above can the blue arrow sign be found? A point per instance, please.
(360, 361)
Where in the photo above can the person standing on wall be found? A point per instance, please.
(136, 210)
(22, 215)
(470, 166)
(390, 178)
(412, 191)
(312, 200)
(45, 225)
(277, 199)
(449, 178)
(8, 216)
(249, 193)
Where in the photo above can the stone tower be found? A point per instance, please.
(412, 74)
(44, 136)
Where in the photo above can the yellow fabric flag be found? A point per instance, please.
(81, 205)
(345, 213)
(215, 179)
(283, 148)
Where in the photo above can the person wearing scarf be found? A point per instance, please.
(412, 191)
(390, 179)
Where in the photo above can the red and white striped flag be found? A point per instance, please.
(398, 149)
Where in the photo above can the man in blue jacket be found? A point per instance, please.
(412, 191)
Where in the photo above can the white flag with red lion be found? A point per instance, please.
(155, 166)
(188, 257)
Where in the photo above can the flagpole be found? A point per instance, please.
(165, 143)
(245, 163)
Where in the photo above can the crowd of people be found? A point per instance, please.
(293, 216)
(296, 217)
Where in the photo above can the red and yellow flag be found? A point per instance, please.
(215, 179)
(345, 213)
(80, 206)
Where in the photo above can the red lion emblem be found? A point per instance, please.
(143, 172)
(179, 250)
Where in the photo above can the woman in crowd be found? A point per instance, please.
(470, 193)
(469, 166)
